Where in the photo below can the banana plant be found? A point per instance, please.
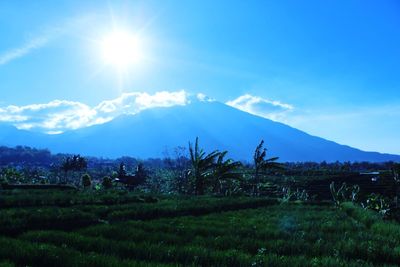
(202, 166)
(261, 163)
(225, 172)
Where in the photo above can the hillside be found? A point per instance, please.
(150, 132)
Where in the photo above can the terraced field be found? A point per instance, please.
(193, 231)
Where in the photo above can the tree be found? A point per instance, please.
(261, 164)
(66, 167)
(129, 180)
(225, 173)
(178, 169)
(122, 170)
(107, 182)
(11, 175)
(74, 163)
(396, 177)
(202, 166)
(141, 174)
(86, 180)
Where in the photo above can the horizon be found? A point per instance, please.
(328, 69)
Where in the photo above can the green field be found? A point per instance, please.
(124, 229)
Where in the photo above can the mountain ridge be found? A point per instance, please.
(148, 133)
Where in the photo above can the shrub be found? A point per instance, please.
(107, 182)
(344, 193)
(366, 217)
(378, 203)
(86, 180)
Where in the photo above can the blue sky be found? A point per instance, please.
(330, 68)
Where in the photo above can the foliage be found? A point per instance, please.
(141, 174)
(396, 172)
(344, 193)
(122, 170)
(262, 164)
(175, 175)
(106, 182)
(365, 216)
(225, 174)
(189, 231)
(11, 175)
(132, 181)
(396, 177)
(76, 163)
(263, 235)
(287, 194)
(27, 156)
(86, 180)
(298, 195)
(377, 203)
(85, 211)
(202, 166)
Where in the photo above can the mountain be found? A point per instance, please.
(218, 126)
(11, 136)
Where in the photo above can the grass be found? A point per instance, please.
(196, 231)
(40, 198)
(14, 221)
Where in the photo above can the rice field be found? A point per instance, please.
(195, 231)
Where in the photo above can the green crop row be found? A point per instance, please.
(285, 230)
(195, 207)
(42, 198)
(7, 264)
(14, 222)
(188, 255)
(18, 220)
(23, 253)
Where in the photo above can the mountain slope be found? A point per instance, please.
(218, 126)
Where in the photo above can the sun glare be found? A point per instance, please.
(121, 49)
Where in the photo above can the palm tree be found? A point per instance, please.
(225, 171)
(202, 166)
(262, 164)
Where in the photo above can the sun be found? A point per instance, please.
(121, 49)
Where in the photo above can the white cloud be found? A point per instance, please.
(259, 106)
(131, 103)
(60, 115)
(22, 50)
(45, 35)
(57, 115)
(204, 98)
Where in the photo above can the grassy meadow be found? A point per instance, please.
(75, 228)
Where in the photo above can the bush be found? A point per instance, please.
(107, 182)
(366, 217)
(86, 180)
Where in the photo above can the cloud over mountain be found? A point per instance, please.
(131, 103)
(274, 110)
(60, 115)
